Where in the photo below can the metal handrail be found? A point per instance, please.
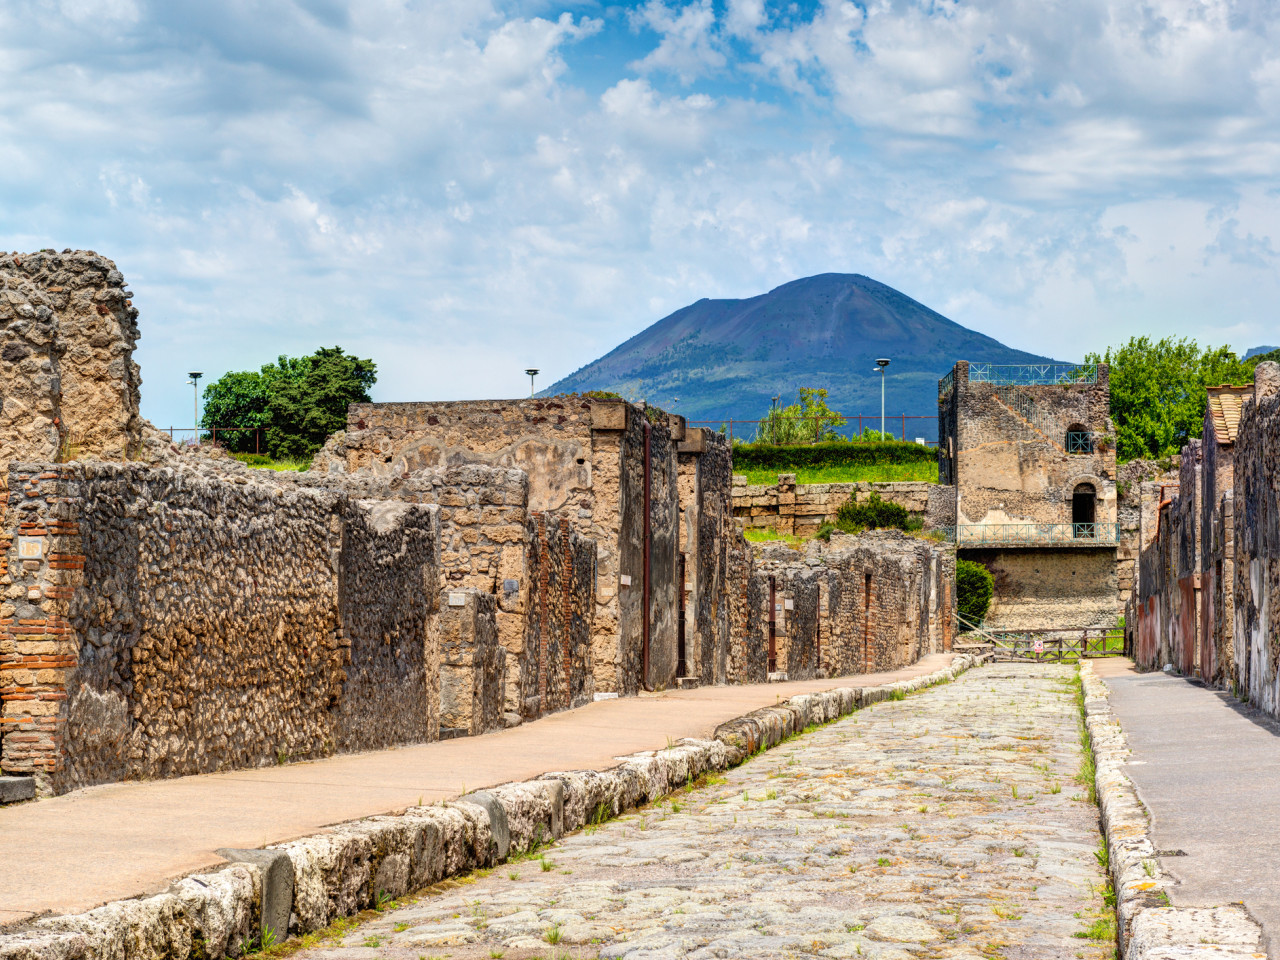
(1033, 374)
(970, 534)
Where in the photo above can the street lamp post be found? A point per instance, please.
(881, 365)
(195, 401)
(532, 372)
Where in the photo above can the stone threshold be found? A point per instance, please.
(1147, 926)
(309, 883)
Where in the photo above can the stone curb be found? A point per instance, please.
(1147, 928)
(362, 862)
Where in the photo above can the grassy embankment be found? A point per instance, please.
(873, 472)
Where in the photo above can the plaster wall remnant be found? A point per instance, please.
(67, 334)
(1030, 454)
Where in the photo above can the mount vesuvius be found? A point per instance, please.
(724, 358)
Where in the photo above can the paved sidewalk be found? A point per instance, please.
(1208, 769)
(86, 848)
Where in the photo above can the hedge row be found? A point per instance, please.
(767, 456)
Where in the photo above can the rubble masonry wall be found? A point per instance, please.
(67, 376)
(158, 622)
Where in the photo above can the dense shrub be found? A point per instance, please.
(873, 513)
(974, 587)
(781, 457)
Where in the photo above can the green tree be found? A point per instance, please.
(974, 589)
(236, 399)
(309, 396)
(809, 421)
(1158, 391)
(299, 401)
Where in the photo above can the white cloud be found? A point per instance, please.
(461, 190)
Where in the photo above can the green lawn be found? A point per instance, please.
(876, 472)
(263, 462)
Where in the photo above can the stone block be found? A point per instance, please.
(14, 789)
(497, 815)
(275, 871)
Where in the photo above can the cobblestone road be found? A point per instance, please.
(948, 824)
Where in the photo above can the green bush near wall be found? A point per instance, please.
(974, 587)
(771, 457)
(873, 514)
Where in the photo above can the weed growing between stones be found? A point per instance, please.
(1103, 926)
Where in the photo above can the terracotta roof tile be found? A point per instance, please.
(1224, 407)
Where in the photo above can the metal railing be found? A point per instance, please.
(1033, 374)
(1075, 534)
(1041, 645)
(787, 430)
(193, 436)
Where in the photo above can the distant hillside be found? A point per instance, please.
(1258, 351)
(729, 357)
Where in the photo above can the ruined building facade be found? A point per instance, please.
(1028, 452)
(1209, 571)
(444, 569)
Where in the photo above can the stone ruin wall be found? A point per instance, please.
(1010, 463)
(585, 459)
(708, 538)
(1256, 515)
(195, 615)
(1209, 571)
(472, 665)
(799, 509)
(556, 669)
(69, 385)
(875, 602)
(1039, 588)
(160, 622)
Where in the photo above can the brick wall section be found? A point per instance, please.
(746, 661)
(198, 624)
(388, 601)
(67, 335)
(801, 508)
(44, 563)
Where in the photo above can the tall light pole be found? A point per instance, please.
(195, 401)
(881, 365)
(532, 372)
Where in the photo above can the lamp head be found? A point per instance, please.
(532, 372)
(882, 362)
(196, 375)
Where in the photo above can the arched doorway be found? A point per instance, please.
(1084, 500)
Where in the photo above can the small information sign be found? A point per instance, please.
(1039, 646)
(30, 548)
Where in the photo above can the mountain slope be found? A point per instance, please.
(726, 358)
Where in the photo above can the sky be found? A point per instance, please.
(460, 189)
